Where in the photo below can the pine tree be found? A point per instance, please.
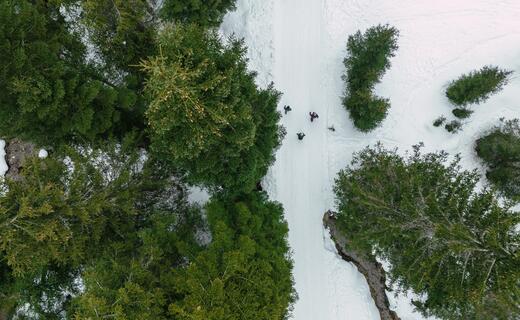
(477, 86)
(368, 58)
(442, 238)
(208, 13)
(206, 116)
(500, 150)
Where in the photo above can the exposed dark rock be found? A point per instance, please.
(16, 151)
(368, 266)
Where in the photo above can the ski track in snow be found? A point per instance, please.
(300, 45)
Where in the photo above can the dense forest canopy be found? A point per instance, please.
(133, 101)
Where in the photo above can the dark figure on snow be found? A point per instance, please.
(331, 128)
(287, 108)
(300, 135)
(313, 115)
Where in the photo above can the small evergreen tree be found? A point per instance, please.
(208, 13)
(477, 86)
(500, 150)
(453, 126)
(368, 58)
(442, 238)
(462, 113)
(207, 117)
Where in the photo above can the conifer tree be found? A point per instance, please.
(442, 238)
(500, 150)
(477, 86)
(368, 58)
(207, 13)
(243, 273)
(49, 94)
(62, 210)
(206, 116)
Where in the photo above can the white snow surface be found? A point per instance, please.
(3, 163)
(300, 45)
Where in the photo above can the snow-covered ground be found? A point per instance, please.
(300, 45)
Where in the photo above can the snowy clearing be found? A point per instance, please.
(300, 45)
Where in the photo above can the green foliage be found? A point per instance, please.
(63, 210)
(122, 31)
(500, 150)
(462, 113)
(477, 86)
(49, 95)
(206, 13)
(453, 126)
(206, 115)
(439, 121)
(368, 58)
(243, 273)
(441, 237)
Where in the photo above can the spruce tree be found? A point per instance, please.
(50, 95)
(442, 238)
(206, 116)
(207, 13)
(477, 86)
(500, 150)
(243, 273)
(63, 209)
(368, 58)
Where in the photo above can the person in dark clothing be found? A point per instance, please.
(300, 135)
(313, 116)
(331, 128)
(287, 108)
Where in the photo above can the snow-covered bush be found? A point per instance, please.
(453, 126)
(500, 150)
(368, 58)
(456, 246)
(477, 86)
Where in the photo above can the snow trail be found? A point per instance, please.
(328, 288)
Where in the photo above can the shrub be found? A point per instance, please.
(453, 126)
(500, 150)
(457, 246)
(477, 86)
(462, 113)
(207, 117)
(439, 121)
(368, 58)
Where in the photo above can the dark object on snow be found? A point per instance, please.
(259, 186)
(300, 135)
(367, 265)
(287, 108)
(331, 128)
(313, 115)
